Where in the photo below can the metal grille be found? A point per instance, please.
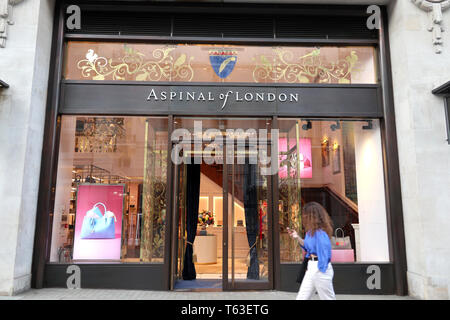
(224, 26)
(328, 27)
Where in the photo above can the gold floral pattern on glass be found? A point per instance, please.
(154, 193)
(164, 67)
(198, 63)
(309, 68)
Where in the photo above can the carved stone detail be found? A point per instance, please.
(6, 19)
(434, 8)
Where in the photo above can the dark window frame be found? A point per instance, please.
(444, 91)
(3, 85)
(447, 116)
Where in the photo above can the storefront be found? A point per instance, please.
(183, 140)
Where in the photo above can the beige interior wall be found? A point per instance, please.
(209, 189)
(371, 195)
(63, 184)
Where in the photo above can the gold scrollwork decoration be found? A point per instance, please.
(310, 68)
(134, 66)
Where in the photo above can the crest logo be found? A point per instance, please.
(223, 62)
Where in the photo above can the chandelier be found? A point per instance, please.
(98, 134)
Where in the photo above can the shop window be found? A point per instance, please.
(219, 63)
(339, 165)
(110, 202)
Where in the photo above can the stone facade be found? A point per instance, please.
(423, 150)
(24, 65)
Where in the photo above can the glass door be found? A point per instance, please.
(248, 209)
(179, 222)
(222, 205)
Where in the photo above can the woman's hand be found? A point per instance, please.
(293, 234)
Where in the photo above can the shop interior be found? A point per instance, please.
(337, 163)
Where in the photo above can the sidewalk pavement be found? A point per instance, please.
(105, 294)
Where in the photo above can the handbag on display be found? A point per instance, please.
(302, 270)
(342, 255)
(97, 225)
(89, 179)
(340, 242)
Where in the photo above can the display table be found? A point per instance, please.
(205, 248)
(241, 246)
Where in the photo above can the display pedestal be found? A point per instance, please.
(357, 243)
(205, 248)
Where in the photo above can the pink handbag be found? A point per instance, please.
(342, 255)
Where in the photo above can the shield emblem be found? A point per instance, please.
(223, 62)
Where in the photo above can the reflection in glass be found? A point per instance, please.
(339, 165)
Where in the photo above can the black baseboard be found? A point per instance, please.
(109, 276)
(349, 278)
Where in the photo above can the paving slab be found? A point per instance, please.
(104, 294)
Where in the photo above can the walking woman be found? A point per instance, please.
(319, 274)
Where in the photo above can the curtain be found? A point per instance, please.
(192, 202)
(251, 218)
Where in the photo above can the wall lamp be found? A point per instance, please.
(336, 126)
(3, 85)
(369, 125)
(307, 126)
(444, 91)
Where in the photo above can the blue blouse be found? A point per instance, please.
(320, 246)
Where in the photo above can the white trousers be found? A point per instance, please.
(317, 280)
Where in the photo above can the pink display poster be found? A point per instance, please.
(98, 233)
(291, 156)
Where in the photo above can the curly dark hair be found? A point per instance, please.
(315, 217)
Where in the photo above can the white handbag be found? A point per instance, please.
(340, 242)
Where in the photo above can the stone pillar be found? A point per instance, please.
(424, 153)
(24, 65)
